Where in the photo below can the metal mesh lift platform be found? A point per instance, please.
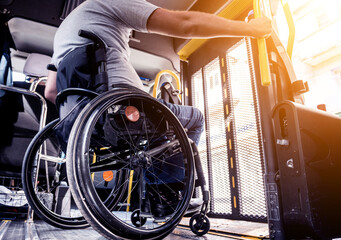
(220, 229)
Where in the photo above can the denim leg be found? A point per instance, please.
(190, 118)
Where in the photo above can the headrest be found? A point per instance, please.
(36, 65)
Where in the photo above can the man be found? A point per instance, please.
(113, 20)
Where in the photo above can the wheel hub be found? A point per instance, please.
(141, 159)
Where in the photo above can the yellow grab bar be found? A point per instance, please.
(131, 176)
(262, 52)
(93, 161)
(158, 77)
(291, 26)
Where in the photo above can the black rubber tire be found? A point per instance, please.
(37, 203)
(97, 214)
(199, 226)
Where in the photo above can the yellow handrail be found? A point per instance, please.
(158, 77)
(131, 177)
(262, 51)
(93, 161)
(291, 26)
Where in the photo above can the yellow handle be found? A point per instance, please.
(131, 177)
(158, 77)
(263, 54)
(291, 26)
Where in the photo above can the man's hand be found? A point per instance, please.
(261, 27)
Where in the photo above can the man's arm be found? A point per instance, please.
(51, 86)
(187, 24)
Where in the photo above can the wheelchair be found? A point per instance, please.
(129, 165)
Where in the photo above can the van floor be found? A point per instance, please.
(220, 229)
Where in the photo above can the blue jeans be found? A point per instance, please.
(190, 117)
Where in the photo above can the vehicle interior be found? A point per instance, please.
(272, 164)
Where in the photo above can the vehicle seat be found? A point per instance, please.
(18, 131)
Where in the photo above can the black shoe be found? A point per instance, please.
(194, 207)
(195, 203)
(161, 210)
(163, 202)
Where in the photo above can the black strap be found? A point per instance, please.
(101, 82)
(101, 78)
(102, 89)
(100, 55)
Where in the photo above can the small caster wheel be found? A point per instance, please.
(136, 219)
(199, 224)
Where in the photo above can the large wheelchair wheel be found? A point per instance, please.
(45, 183)
(133, 134)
